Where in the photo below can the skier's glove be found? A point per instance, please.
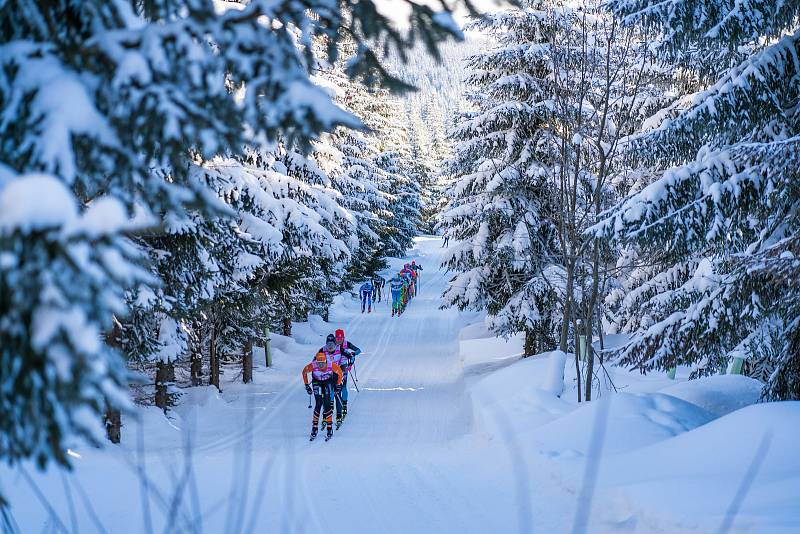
(308, 389)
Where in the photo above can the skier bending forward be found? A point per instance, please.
(326, 375)
(347, 357)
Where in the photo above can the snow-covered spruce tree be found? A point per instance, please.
(396, 159)
(62, 277)
(502, 197)
(364, 187)
(423, 148)
(405, 220)
(96, 95)
(312, 268)
(348, 157)
(728, 201)
(286, 247)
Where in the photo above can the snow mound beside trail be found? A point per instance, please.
(518, 396)
(475, 331)
(719, 394)
(476, 349)
(725, 446)
(631, 421)
(698, 473)
(306, 334)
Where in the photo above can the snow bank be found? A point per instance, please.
(306, 334)
(631, 421)
(553, 381)
(475, 331)
(518, 397)
(697, 474)
(719, 394)
(479, 346)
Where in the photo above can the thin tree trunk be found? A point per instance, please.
(587, 327)
(196, 365)
(113, 417)
(567, 307)
(287, 326)
(589, 321)
(530, 343)
(165, 375)
(113, 421)
(247, 362)
(577, 355)
(213, 359)
(600, 334)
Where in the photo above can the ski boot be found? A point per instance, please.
(329, 435)
(313, 434)
(339, 421)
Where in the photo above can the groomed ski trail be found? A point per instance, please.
(405, 459)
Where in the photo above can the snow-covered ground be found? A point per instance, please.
(451, 432)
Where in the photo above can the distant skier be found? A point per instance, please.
(366, 291)
(409, 277)
(377, 283)
(326, 377)
(406, 290)
(445, 239)
(396, 288)
(347, 357)
(416, 268)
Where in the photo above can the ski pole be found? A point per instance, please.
(309, 399)
(355, 378)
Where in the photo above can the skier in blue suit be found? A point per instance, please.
(366, 291)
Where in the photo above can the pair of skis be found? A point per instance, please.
(314, 436)
(327, 436)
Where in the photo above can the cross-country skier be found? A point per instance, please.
(348, 353)
(366, 290)
(406, 274)
(377, 283)
(331, 349)
(405, 296)
(416, 268)
(396, 288)
(332, 352)
(326, 377)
